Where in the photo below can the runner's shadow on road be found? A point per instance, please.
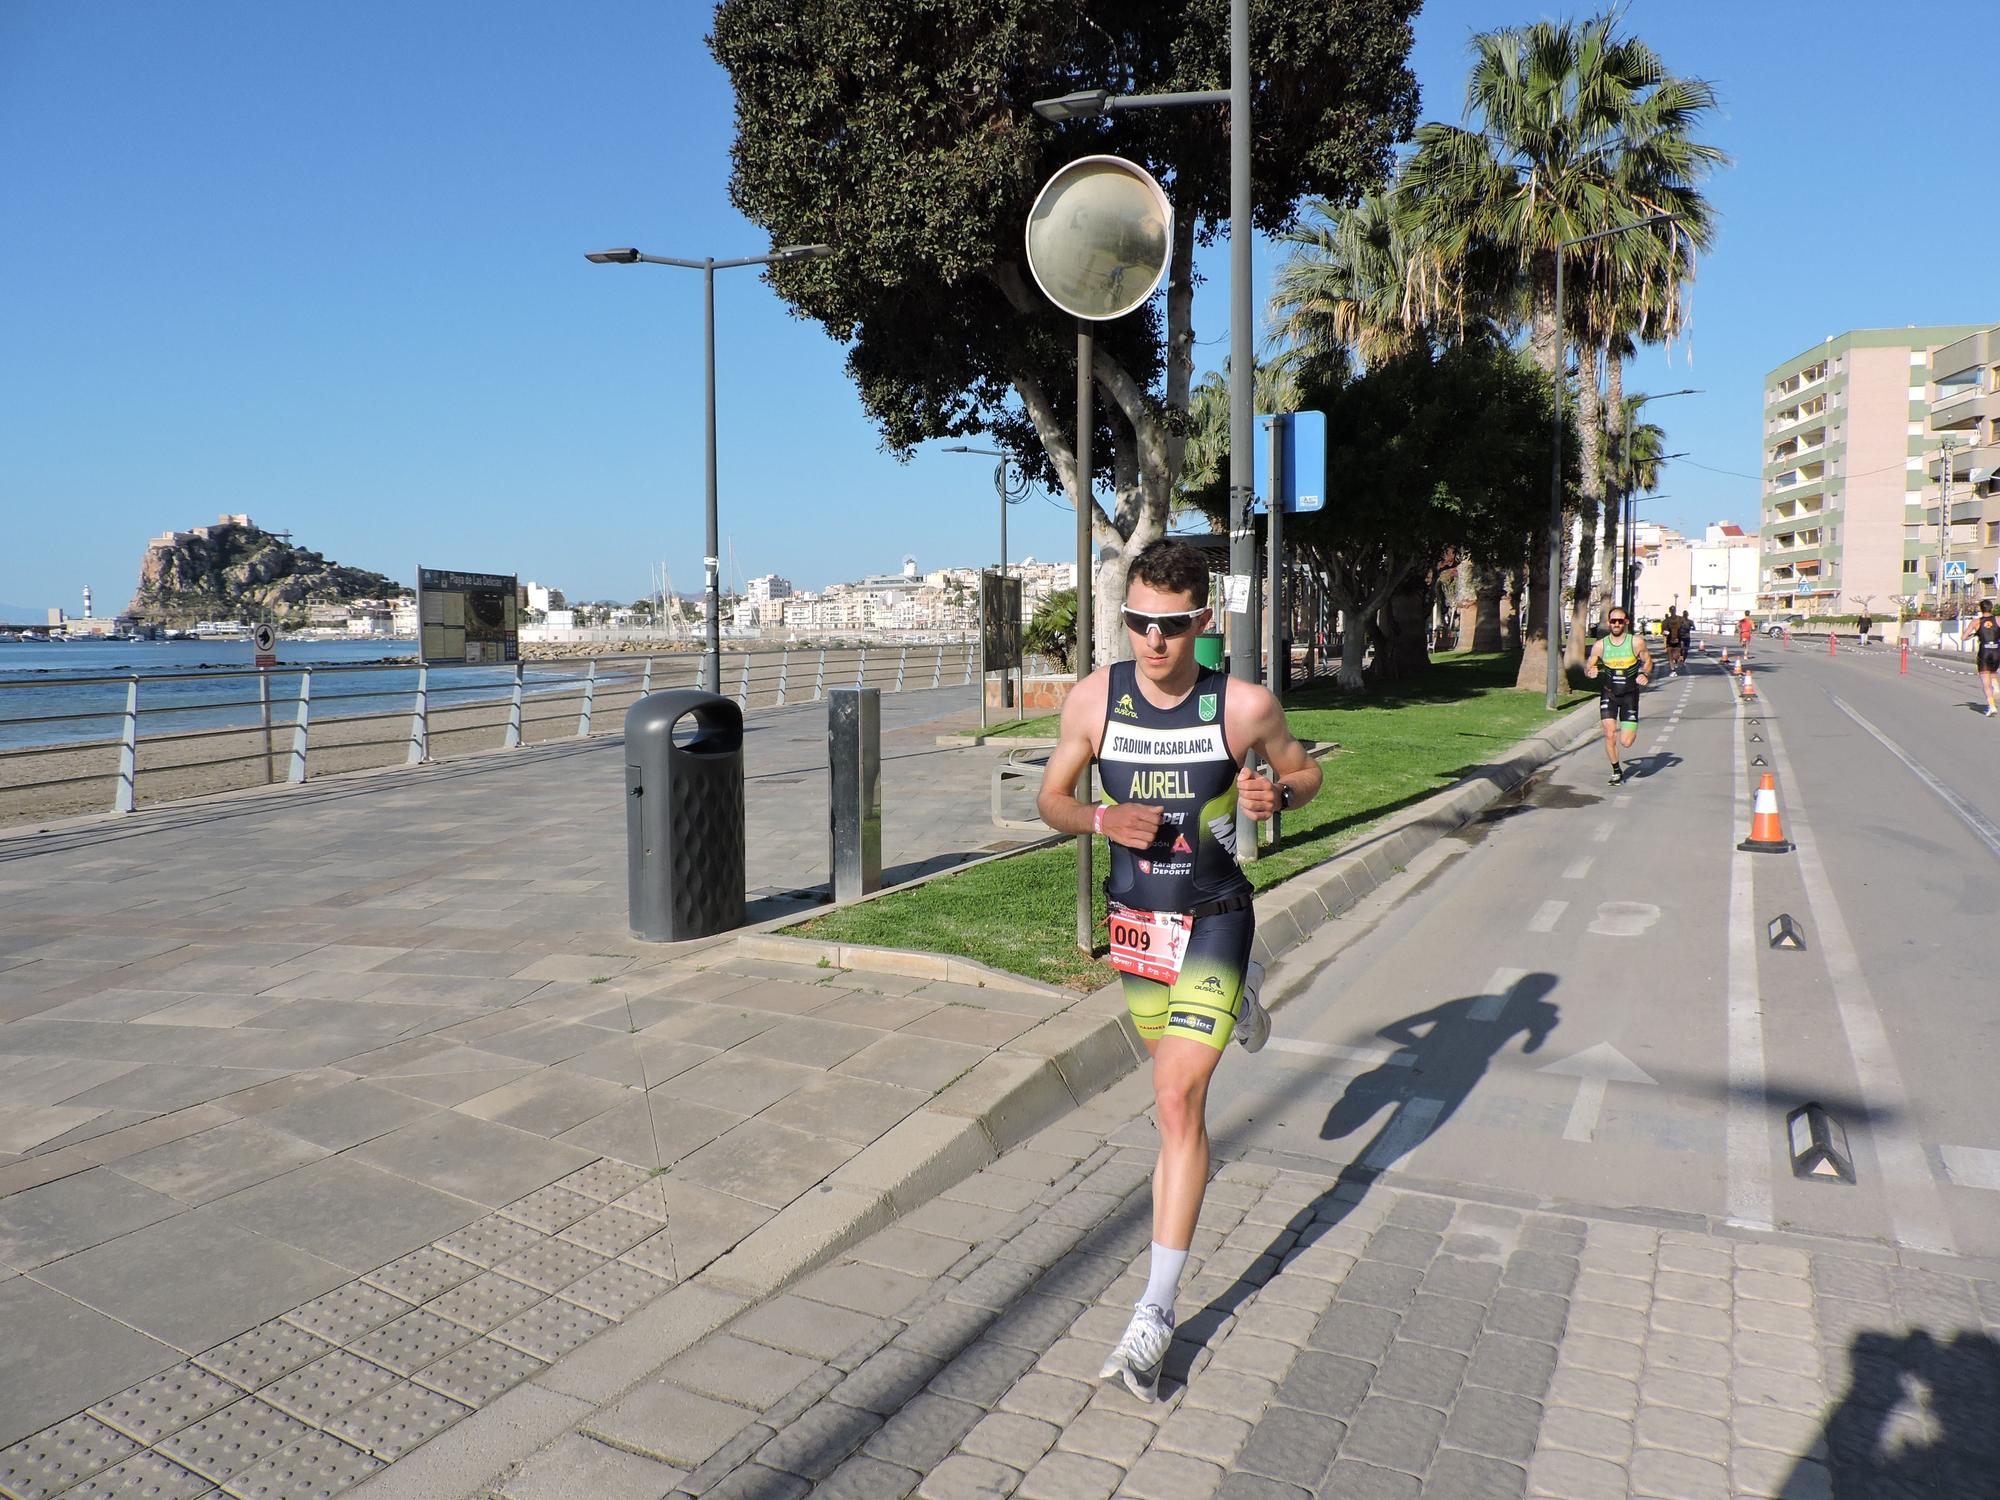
(1645, 767)
(1441, 1055)
(1920, 1417)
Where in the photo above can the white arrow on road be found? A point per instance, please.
(1593, 1068)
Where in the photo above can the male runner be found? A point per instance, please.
(1744, 630)
(1626, 663)
(1169, 737)
(1988, 630)
(1676, 628)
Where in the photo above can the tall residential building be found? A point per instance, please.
(1846, 439)
(1965, 417)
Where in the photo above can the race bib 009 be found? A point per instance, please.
(1149, 944)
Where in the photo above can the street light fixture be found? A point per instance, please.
(1554, 623)
(1632, 509)
(625, 255)
(1087, 104)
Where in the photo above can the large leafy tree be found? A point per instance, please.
(902, 132)
(1572, 128)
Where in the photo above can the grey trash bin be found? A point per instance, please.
(684, 815)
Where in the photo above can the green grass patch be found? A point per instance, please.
(1046, 727)
(1396, 747)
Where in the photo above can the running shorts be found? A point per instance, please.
(1618, 703)
(1989, 658)
(1202, 1005)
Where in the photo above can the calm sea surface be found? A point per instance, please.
(33, 685)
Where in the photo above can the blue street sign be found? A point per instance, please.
(1954, 569)
(1302, 453)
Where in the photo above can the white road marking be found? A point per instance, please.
(1747, 1192)
(1407, 1129)
(1982, 827)
(1916, 1214)
(1374, 1057)
(1499, 990)
(1547, 915)
(1580, 867)
(1972, 1166)
(1601, 834)
(1594, 1068)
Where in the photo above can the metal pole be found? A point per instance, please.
(420, 735)
(1554, 623)
(1006, 668)
(264, 709)
(1944, 529)
(589, 701)
(1242, 373)
(1086, 927)
(514, 709)
(712, 560)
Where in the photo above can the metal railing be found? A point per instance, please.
(278, 727)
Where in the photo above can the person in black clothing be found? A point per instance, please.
(1988, 630)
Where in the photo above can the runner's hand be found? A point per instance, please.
(1256, 795)
(1590, 670)
(1644, 679)
(1133, 824)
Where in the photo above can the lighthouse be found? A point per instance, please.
(86, 601)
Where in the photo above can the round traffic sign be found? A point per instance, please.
(1099, 237)
(264, 638)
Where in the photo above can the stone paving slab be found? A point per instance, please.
(263, 1033)
(1340, 1334)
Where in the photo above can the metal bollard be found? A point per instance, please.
(1903, 667)
(854, 784)
(589, 700)
(302, 728)
(861, 671)
(420, 721)
(126, 797)
(937, 672)
(901, 662)
(819, 681)
(784, 674)
(743, 684)
(514, 711)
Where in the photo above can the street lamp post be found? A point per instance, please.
(1625, 485)
(1000, 490)
(708, 266)
(1242, 381)
(1554, 623)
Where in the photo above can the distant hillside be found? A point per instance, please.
(21, 614)
(235, 570)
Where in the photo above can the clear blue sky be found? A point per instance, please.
(324, 264)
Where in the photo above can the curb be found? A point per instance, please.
(1008, 1097)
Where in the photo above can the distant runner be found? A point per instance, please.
(1989, 656)
(1744, 630)
(1627, 665)
(1676, 631)
(1169, 737)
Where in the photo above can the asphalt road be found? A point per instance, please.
(1576, 997)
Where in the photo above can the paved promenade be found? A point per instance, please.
(276, 1068)
(1343, 1333)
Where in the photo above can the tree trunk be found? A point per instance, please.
(1546, 342)
(1611, 586)
(1405, 618)
(1590, 428)
(1489, 585)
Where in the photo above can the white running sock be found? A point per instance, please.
(1164, 1278)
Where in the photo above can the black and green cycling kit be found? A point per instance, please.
(1618, 696)
(1179, 760)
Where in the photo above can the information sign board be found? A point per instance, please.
(467, 617)
(1000, 621)
(1301, 445)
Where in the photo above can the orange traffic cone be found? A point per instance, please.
(1749, 685)
(1767, 834)
(1725, 656)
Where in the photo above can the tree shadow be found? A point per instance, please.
(1441, 1055)
(1920, 1417)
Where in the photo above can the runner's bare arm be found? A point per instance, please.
(1257, 721)
(1130, 823)
(1645, 658)
(1590, 661)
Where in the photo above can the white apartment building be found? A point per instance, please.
(1714, 580)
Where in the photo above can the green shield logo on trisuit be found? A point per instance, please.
(1206, 708)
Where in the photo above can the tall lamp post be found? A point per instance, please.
(1242, 541)
(1554, 623)
(1629, 585)
(999, 489)
(1625, 486)
(708, 266)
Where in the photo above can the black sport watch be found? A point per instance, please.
(1284, 796)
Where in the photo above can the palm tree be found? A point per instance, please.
(1572, 129)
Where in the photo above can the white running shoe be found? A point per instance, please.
(1253, 1026)
(1142, 1352)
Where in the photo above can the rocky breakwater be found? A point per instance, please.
(563, 650)
(235, 570)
